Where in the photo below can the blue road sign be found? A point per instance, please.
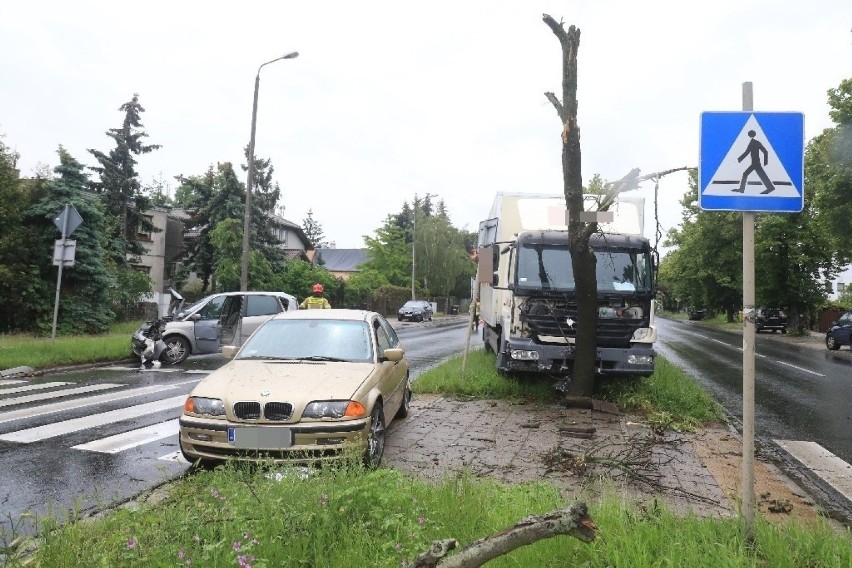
(752, 161)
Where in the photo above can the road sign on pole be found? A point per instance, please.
(67, 220)
(752, 161)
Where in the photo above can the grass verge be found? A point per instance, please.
(345, 516)
(43, 352)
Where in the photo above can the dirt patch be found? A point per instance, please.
(778, 498)
(585, 452)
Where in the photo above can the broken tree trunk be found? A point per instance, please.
(582, 257)
(570, 521)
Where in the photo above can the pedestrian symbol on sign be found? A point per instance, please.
(755, 149)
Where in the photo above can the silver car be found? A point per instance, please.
(214, 321)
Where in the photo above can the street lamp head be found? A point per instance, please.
(291, 55)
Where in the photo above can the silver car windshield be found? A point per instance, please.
(312, 340)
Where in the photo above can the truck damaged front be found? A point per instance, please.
(540, 320)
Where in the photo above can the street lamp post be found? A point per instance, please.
(250, 181)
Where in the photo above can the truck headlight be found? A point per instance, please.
(640, 359)
(524, 355)
(642, 334)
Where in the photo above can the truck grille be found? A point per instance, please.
(551, 318)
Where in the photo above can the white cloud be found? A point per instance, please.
(389, 99)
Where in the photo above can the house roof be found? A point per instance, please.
(341, 260)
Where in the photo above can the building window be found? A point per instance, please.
(142, 235)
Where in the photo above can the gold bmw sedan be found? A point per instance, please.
(305, 387)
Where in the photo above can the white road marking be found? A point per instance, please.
(802, 369)
(197, 372)
(174, 457)
(40, 386)
(88, 401)
(54, 429)
(132, 438)
(56, 394)
(11, 381)
(761, 356)
(826, 465)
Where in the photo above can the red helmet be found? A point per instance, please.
(317, 289)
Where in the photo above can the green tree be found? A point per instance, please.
(265, 195)
(85, 294)
(299, 276)
(22, 290)
(158, 192)
(442, 255)
(828, 174)
(389, 252)
(121, 193)
(361, 286)
(313, 229)
(705, 269)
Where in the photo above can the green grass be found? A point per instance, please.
(481, 380)
(43, 352)
(668, 398)
(346, 516)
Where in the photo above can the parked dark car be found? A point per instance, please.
(415, 310)
(840, 332)
(696, 314)
(770, 319)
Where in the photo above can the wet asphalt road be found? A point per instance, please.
(55, 429)
(801, 392)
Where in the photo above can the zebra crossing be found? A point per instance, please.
(36, 412)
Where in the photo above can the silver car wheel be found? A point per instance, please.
(177, 349)
(376, 442)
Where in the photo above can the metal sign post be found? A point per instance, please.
(748, 354)
(751, 162)
(67, 221)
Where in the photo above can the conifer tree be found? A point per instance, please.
(84, 297)
(313, 229)
(119, 187)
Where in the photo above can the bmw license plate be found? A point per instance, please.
(260, 438)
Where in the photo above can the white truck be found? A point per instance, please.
(526, 286)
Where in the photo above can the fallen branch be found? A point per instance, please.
(570, 521)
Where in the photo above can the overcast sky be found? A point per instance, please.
(391, 99)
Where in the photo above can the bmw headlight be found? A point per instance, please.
(334, 409)
(203, 405)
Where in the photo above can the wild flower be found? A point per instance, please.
(236, 545)
(421, 520)
(132, 542)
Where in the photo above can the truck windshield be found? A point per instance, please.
(549, 268)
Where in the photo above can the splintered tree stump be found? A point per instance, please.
(570, 521)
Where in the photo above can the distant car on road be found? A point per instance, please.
(307, 386)
(415, 310)
(214, 321)
(840, 332)
(770, 319)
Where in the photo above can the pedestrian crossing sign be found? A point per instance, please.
(752, 161)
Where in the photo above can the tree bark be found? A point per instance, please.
(582, 257)
(570, 521)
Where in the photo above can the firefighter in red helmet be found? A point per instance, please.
(315, 300)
